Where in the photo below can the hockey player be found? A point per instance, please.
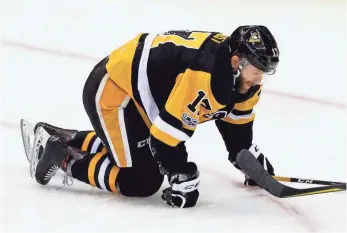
(146, 99)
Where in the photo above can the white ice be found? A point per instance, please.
(301, 138)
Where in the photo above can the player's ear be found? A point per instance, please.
(235, 60)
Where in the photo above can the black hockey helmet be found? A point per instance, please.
(257, 44)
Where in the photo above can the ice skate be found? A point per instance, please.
(65, 135)
(56, 155)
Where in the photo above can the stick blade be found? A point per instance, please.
(251, 167)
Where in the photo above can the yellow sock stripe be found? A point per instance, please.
(112, 178)
(317, 192)
(87, 141)
(92, 167)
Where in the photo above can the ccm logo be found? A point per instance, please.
(305, 181)
(192, 186)
(143, 143)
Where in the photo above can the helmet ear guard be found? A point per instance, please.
(243, 62)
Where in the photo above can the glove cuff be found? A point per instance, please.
(186, 187)
(254, 149)
(187, 180)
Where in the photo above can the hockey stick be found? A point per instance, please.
(251, 166)
(305, 180)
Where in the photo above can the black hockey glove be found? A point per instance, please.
(263, 160)
(183, 192)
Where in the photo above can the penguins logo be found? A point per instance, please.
(255, 37)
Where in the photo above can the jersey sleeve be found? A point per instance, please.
(236, 128)
(180, 117)
(243, 112)
(177, 122)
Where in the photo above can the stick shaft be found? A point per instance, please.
(305, 180)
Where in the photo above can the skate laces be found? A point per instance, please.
(70, 160)
(68, 179)
(67, 164)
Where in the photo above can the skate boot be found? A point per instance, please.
(56, 155)
(65, 135)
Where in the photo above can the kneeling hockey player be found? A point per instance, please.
(146, 99)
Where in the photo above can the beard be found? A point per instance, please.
(240, 84)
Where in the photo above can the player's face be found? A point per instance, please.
(250, 76)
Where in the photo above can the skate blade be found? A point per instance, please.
(40, 139)
(27, 130)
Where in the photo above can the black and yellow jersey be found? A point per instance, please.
(179, 79)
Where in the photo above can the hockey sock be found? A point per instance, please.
(96, 170)
(87, 141)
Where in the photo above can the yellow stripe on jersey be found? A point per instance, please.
(87, 140)
(239, 121)
(194, 40)
(92, 166)
(110, 102)
(143, 115)
(164, 137)
(244, 106)
(119, 65)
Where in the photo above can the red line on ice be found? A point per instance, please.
(25, 46)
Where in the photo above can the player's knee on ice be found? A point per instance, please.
(140, 181)
(143, 179)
